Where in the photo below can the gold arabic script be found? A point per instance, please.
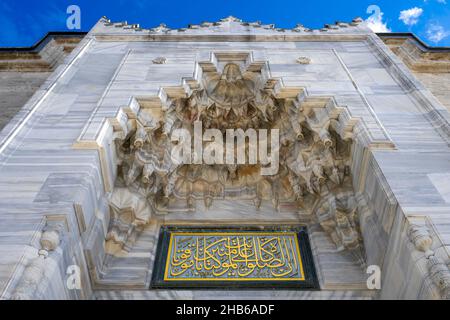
(234, 256)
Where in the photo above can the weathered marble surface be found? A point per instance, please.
(234, 295)
(24, 70)
(56, 164)
(430, 65)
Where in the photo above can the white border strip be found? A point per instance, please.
(363, 96)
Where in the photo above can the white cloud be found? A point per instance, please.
(436, 33)
(411, 16)
(375, 21)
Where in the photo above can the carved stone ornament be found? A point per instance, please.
(420, 236)
(303, 60)
(34, 270)
(129, 212)
(338, 217)
(49, 240)
(438, 270)
(159, 60)
(314, 153)
(440, 275)
(162, 28)
(30, 280)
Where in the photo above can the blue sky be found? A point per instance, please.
(25, 22)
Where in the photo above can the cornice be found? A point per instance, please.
(227, 29)
(65, 36)
(418, 56)
(402, 36)
(42, 56)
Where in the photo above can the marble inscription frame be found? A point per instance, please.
(296, 236)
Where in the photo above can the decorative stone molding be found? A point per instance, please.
(162, 28)
(438, 270)
(440, 275)
(417, 55)
(45, 56)
(300, 28)
(34, 271)
(420, 236)
(129, 213)
(49, 240)
(338, 216)
(159, 60)
(237, 24)
(30, 280)
(303, 60)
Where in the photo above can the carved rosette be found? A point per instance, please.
(314, 154)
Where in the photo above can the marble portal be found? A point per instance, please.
(234, 257)
(364, 163)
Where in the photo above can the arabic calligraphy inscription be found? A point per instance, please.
(234, 256)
